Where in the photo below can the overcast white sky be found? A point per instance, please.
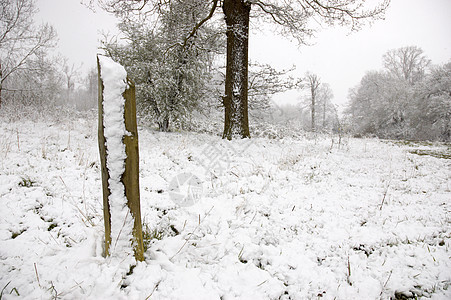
(338, 58)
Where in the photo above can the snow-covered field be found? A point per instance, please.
(269, 218)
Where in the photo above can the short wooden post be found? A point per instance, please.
(130, 177)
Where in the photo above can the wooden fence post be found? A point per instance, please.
(130, 177)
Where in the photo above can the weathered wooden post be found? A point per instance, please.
(118, 147)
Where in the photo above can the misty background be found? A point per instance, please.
(338, 57)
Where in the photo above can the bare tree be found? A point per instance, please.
(371, 104)
(293, 17)
(92, 84)
(324, 97)
(433, 106)
(407, 100)
(71, 73)
(264, 82)
(406, 63)
(313, 83)
(36, 85)
(20, 39)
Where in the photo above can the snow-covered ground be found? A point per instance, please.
(264, 218)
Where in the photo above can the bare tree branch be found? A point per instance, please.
(198, 25)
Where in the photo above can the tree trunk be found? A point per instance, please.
(314, 83)
(313, 111)
(236, 122)
(163, 125)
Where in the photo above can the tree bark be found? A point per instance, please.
(236, 122)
